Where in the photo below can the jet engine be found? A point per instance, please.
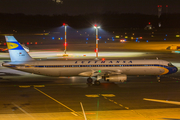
(116, 78)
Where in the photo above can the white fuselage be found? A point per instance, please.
(87, 67)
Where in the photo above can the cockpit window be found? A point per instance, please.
(170, 64)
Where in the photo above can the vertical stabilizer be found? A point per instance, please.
(16, 51)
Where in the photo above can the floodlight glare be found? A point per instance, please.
(95, 26)
(64, 24)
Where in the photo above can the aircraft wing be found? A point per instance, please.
(94, 73)
(8, 74)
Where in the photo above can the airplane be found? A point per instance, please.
(109, 70)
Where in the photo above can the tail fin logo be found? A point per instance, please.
(12, 45)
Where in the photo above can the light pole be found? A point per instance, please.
(65, 43)
(96, 27)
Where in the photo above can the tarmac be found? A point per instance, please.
(34, 97)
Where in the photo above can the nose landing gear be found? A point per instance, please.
(158, 78)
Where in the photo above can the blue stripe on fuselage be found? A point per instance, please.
(171, 69)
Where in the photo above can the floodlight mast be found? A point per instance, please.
(65, 43)
(96, 27)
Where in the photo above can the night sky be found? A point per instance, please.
(75, 7)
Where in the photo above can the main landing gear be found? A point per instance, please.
(97, 82)
(90, 82)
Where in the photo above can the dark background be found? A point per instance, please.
(35, 18)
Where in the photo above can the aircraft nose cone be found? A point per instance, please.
(176, 69)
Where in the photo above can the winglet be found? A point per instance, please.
(16, 51)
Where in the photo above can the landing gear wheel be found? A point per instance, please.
(89, 81)
(159, 79)
(97, 82)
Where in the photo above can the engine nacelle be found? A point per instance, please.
(116, 78)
